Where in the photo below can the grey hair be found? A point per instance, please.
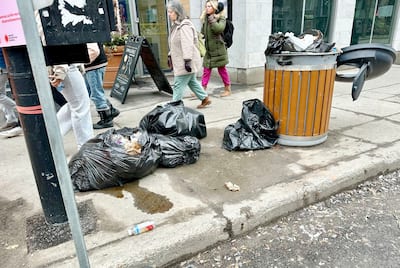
(177, 7)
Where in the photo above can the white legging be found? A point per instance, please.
(7, 105)
(75, 114)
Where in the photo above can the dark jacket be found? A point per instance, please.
(216, 53)
(99, 62)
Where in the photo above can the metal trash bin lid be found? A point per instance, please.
(372, 60)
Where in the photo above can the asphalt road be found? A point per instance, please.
(355, 228)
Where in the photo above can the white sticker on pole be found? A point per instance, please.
(11, 31)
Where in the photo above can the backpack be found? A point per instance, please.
(228, 33)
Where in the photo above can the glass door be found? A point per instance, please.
(153, 25)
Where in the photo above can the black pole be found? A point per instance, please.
(36, 138)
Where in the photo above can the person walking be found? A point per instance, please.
(184, 56)
(12, 127)
(213, 24)
(75, 114)
(94, 76)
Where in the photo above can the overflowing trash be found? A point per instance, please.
(309, 41)
(116, 157)
(256, 129)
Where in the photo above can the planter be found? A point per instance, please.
(114, 57)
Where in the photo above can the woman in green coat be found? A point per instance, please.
(216, 56)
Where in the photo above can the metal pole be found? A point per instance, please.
(373, 22)
(303, 13)
(36, 57)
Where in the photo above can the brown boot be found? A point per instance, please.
(204, 103)
(227, 91)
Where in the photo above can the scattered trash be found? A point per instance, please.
(12, 247)
(141, 228)
(232, 187)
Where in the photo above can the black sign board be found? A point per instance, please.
(154, 69)
(137, 46)
(68, 22)
(126, 68)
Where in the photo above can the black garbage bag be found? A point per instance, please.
(277, 43)
(318, 45)
(180, 150)
(174, 119)
(256, 129)
(113, 158)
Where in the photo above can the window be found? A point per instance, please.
(299, 16)
(373, 21)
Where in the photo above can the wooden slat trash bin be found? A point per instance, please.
(298, 89)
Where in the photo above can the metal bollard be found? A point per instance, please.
(36, 138)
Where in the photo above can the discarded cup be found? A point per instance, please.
(141, 228)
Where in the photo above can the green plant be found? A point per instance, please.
(116, 40)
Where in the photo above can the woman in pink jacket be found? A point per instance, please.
(184, 54)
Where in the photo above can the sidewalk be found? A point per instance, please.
(190, 205)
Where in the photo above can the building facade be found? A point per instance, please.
(345, 22)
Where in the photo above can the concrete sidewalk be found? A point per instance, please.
(190, 205)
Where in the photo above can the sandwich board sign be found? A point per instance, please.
(137, 46)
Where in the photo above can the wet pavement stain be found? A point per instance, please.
(144, 200)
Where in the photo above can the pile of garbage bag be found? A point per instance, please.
(116, 157)
(256, 129)
(309, 41)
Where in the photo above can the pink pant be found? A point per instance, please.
(223, 72)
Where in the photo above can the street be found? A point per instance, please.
(355, 228)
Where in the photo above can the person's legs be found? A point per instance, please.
(7, 105)
(196, 87)
(198, 91)
(223, 72)
(94, 82)
(180, 83)
(76, 94)
(64, 119)
(205, 77)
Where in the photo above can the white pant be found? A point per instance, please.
(75, 114)
(7, 105)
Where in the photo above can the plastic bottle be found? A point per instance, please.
(141, 228)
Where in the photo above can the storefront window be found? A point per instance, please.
(373, 21)
(152, 16)
(299, 16)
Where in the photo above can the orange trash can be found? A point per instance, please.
(298, 90)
